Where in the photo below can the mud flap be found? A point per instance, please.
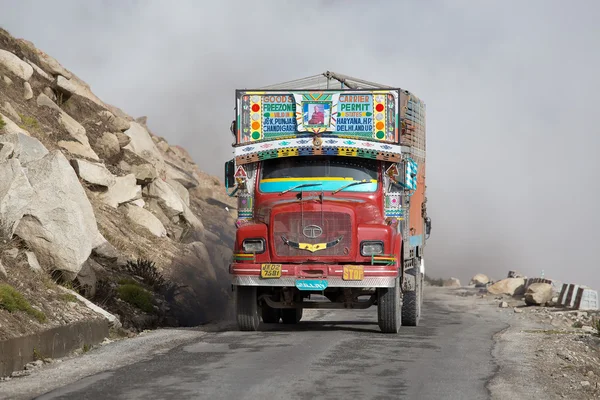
(408, 283)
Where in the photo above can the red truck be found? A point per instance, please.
(329, 174)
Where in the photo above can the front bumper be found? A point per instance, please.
(374, 276)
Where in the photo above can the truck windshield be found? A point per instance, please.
(328, 173)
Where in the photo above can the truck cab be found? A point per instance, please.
(331, 203)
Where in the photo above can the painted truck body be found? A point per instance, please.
(331, 202)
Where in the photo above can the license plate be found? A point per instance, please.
(311, 284)
(270, 271)
(353, 273)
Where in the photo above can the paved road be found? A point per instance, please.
(336, 355)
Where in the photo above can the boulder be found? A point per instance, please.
(452, 282)
(27, 91)
(3, 273)
(514, 274)
(509, 286)
(12, 253)
(107, 145)
(59, 225)
(15, 65)
(157, 211)
(50, 93)
(113, 122)
(163, 146)
(199, 252)
(538, 294)
(138, 202)
(123, 139)
(15, 196)
(106, 254)
(78, 149)
(142, 145)
(11, 127)
(181, 191)
(7, 80)
(503, 304)
(144, 173)
(94, 173)
(38, 70)
(33, 262)
(12, 113)
(194, 221)
(167, 197)
(24, 147)
(87, 277)
(64, 86)
(146, 219)
(74, 128)
(479, 280)
(50, 64)
(124, 190)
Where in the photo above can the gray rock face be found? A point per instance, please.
(15, 196)
(124, 190)
(167, 197)
(64, 85)
(24, 147)
(15, 65)
(93, 173)
(145, 219)
(143, 145)
(59, 224)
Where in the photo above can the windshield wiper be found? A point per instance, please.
(350, 184)
(300, 186)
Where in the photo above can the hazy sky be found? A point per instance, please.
(510, 86)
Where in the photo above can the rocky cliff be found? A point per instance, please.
(93, 200)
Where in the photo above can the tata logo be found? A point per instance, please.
(312, 231)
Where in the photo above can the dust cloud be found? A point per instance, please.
(510, 89)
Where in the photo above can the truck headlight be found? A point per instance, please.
(371, 248)
(254, 246)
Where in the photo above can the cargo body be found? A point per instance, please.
(331, 195)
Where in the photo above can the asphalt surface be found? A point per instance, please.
(334, 355)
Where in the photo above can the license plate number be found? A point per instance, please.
(353, 273)
(270, 271)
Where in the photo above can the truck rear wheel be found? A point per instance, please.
(291, 315)
(412, 301)
(389, 308)
(248, 318)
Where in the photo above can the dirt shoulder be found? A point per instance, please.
(544, 352)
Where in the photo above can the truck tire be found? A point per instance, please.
(291, 315)
(270, 315)
(248, 318)
(412, 301)
(389, 308)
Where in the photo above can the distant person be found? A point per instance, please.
(317, 118)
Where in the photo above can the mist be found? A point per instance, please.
(510, 88)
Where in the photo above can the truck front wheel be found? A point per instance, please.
(248, 318)
(389, 308)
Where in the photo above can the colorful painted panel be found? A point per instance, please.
(308, 147)
(366, 115)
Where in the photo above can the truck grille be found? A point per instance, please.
(291, 226)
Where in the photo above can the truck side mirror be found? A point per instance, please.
(230, 173)
(427, 227)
